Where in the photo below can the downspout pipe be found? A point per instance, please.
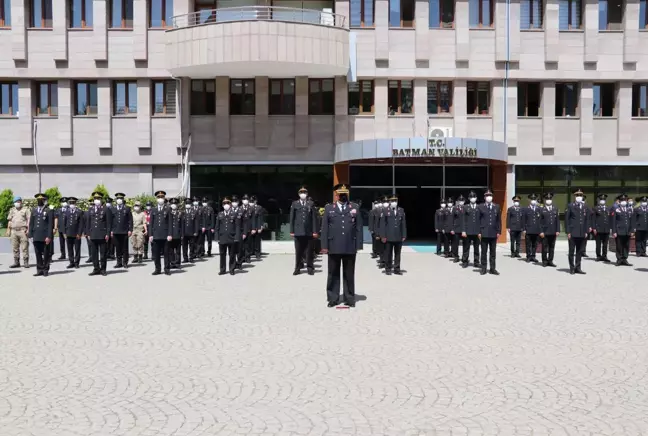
(507, 67)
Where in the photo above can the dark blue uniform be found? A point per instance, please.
(259, 222)
(394, 231)
(515, 226)
(439, 218)
(622, 228)
(471, 228)
(72, 227)
(303, 224)
(490, 225)
(457, 230)
(601, 226)
(41, 230)
(160, 230)
(550, 225)
(577, 228)
(98, 225)
(641, 229)
(191, 227)
(228, 232)
(532, 227)
(175, 244)
(122, 225)
(59, 214)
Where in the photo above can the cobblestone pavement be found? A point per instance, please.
(438, 351)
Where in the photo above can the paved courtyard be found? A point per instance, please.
(438, 351)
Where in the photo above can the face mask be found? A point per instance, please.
(18, 205)
(41, 203)
(51, 207)
(204, 204)
(148, 207)
(97, 202)
(160, 201)
(460, 203)
(624, 203)
(174, 206)
(195, 203)
(489, 199)
(473, 199)
(302, 196)
(393, 204)
(385, 205)
(644, 204)
(108, 204)
(630, 202)
(226, 206)
(137, 208)
(579, 199)
(548, 202)
(533, 202)
(601, 201)
(120, 201)
(235, 204)
(443, 205)
(246, 202)
(187, 206)
(516, 203)
(343, 198)
(64, 204)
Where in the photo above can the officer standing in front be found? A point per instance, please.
(577, 227)
(97, 226)
(601, 228)
(641, 226)
(439, 224)
(160, 234)
(394, 232)
(18, 227)
(532, 228)
(58, 221)
(41, 232)
(457, 227)
(490, 224)
(622, 228)
(72, 227)
(228, 230)
(550, 225)
(177, 228)
(303, 229)
(122, 229)
(341, 240)
(471, 230)
(515, 225)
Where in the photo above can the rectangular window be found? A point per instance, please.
(480, 13)
(9, 99)
(164, 97)
(5, 13)
(478, 98)
(643, 15)
(531, 14)
(400, 96)
(604, 103)
(528, 99)
(282, 96)
(570, 14)
(160, 13)
(640, 100)
(401, 13)
(85, 98)
(121, 14)
(441, 14)
(611, 14)
(362, 13)
(80, 14)
(242, 101)
(361, 97)
(124, 98)
(321, 97)
(203, 97)
(47, 99)
(41, 14)
(439, 97)
(567, 96)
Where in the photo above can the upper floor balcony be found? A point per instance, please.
(248, 41)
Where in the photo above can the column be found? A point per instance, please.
(222, 124)
(18, 33)
(381, 34)
(586, 115)
(99, 30)
(591, 22)
(25, 119)
(342, 124)
(381, 109)
(302, 138)
(420, 108)
(261, 120)
(462, 31)
(551, 35)
(140, 30)
(501, 46)
(59, 33)
(548, 115)
(64, 132)
(505, 119)
(422, 17)
(104, 114)
(183, 108)
(631, 32)
(459, 108)
(498, 172)
(624, 115)
(144, 105)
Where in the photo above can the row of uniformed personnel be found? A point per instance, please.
(388, 228)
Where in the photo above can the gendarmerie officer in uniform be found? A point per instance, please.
(209, 222)
(457, 227)
(98, 225)
(470, 230)
(532, 227)
(601, 228)
(199, 241)
(490, 224)
(622, 228)
(177, 229)
(372, 228)
(641, 225)
(228, 232)
(110, 247)
(577, 227)
(122, 229)
(303, 229)
(248, 212)
(382, 249)
(191, 223)
(515, 225)
(160, 234)
(58, 221)
(439, 224)
(147, 210)
(394, 233)
(448, 225)
(238, 245)
(41, 232)
(259, 222)
(341, 240)
(72, 227)
(550, 225)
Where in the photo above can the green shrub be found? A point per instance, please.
(53, 197)
(142, 198)
(99, 188)
(6, 203)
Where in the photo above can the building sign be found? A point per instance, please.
(436, 147)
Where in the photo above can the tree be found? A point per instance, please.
(142, 198)
(6, 202)
(53, 197)
(101, 188)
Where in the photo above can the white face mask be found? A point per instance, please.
(235, 204)
(624, 203)
(246, 202)
(226, 206)
(160, 201)
(385, 204)
(579, 199)
(443, 205)
(602, 202)
(644, 204)
(120, 201)
(533, 202)
(64, 204)
(17, 204)
(97, 202)
(148, 207)
(174, 206)
(73, 206)
(187, 206)
(302, 196)
(516, 203)
(393, 204)
(137, 208)
(630, 202)
(473, 199)
(195, 203)
(548, 202)
(51, 207)
(489, 199)
(204, 204)
(460, 203)
(108, 204)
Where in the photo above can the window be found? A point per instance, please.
(567, 99)
(528, 99)
(203, 97)
(400, 96)
(5, 13)
(47, 99)
(160, 13)
(441, 14)
(242, 100)
(41, 14)
(361, 13)
(401, 13)
(531, 14)
(321, 97)
(439, 97)
(124, 98)
(86, 98)
(604, 103)
(643, 15)
(121, 14)
(610, 14)
(361, 97)
(480, 13)
(478, 98)
(9, 99)
(80, 14)
(282, 96)
(570, 14)
(164, 97)
(639, 103)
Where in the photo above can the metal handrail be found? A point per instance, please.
(259, 13)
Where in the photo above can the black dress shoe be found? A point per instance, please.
(585, 255)
(222, 273)
(580, 271)
(311, 272)
(494, 272)
(465, 265)
(332, 303)
(15, 265)
(626, 263)
(551, 264)
(572, 271)
(94, 273)
(398, 272)
(606, 260)
(483, 272)
(26, 265)
(104, 273)
(77, 266)
(45, 273)
(39, 273)
(156, 273)
(119, 265)
(528, 260)
(534, 260)
(455, 260)
(88, 261)
(70, 266)
(296, 272)
(544, 264)
(477, 264)
(167, 272)
(61, 258)
(232, 272)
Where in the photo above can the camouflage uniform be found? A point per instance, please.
(18, 221)
(139, 220)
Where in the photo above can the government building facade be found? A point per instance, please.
(427, 99)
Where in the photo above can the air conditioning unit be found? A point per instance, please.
(436, 132)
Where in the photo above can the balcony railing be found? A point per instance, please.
(260, 13)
